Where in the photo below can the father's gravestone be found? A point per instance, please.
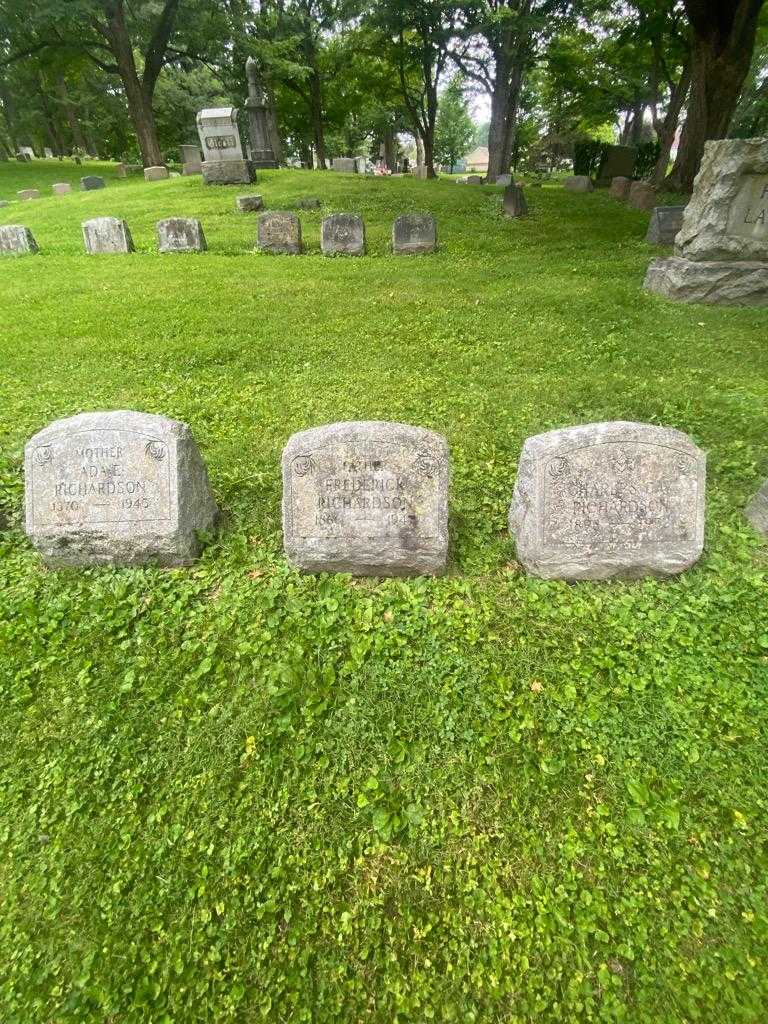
(620, 187)
(106, 235)
(757, 510)
(513, 202)
(279, 232)
(91, 182)
(616, 161)
(343, 233)
(224, 162)
(664, 225)
(609, 500)
(16, 240)
(721, 250)
(578, 183)
(116, 488)
(180, 234)
(414, 233)
(368, 498)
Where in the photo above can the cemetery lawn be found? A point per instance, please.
(233, 793)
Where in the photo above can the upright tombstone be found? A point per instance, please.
(619, 188)
(368, 498)
(116, 488)
(609, 500)
(121, 170)
(513, 202)
(616, 162)
(190, 160)
(664, 225)
(106, 236)
(91, 182)
(279, 232)
(642, 195)
(224, 162)
(414, 233)
(757, 510)
(16, 240)
(28, 193)
(721, 250)
(473, 179)
(361, 164)
(157, 173)
(180, 234)
(344, 234)
(578, 183)
(62, 188)
(262, 154)
(345, 164)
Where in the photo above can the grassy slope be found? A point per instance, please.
(233, 793)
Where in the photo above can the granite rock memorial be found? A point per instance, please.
(368, 498)
(721, 250)
(279, 232)
(664, 225)
(224, 162)
(16, 240)
(414, 233)
(609, 500)
(116, 488)
(180, 234)
(106, 236)
(91, 182)
(342, 233)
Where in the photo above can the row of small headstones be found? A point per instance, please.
(277, 232)
(61, 188)
(596, 501)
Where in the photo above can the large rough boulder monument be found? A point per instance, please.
(609, 500)
(721, 250)
(224, 161)
(368, 498)
(116, 488)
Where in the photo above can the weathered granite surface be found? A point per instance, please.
(727, 216)
(664, 224)
(62, 188)
(16, 240)
(619, 188)
(369, 498)
(279, 232)
(513, 202)
(738, 283)
(757, 510)
(414, 233)
(578, 183)
(343, 233)
(249, 204)
(228, 172)
(609, 500)
(158, 173)
(642, 196)
(91, 182)
(180, 234)
(106, 236)
(116, 488)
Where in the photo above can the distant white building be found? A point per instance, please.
(476, 162)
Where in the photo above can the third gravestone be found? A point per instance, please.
(279, 232)
(343, 233)
(180, 234)
(369, 498)
(609, 500)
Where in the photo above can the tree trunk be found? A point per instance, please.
(272, 128)
(666, 131)
(316, 113)
(419, 153)
(390, 150)
(505, 100)
(722, 50)
(9, 116)
(78, 139)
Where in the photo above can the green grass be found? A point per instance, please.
(232, 793)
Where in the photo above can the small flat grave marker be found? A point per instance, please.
(180, 234)
(342, 233)
(279, 232)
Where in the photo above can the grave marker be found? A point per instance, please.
(106, 236)
(91, 182)
(414, 233)
(224, 161)
(609, 500)
(156, 173)
(369, 498)
(664, 225)
(513, 202)
(757, 510)
(249, 204)
(343, 233)
(620, 187)
(279, 232)
(642, 196)
(16, 240)
(116, 488)
(62, 188)
(180, 234)
(190, 160)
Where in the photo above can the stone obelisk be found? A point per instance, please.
(262, 154)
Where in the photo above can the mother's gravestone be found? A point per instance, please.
(369, 498)
(609, 500)
(116, 488)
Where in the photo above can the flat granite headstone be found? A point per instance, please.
(16, 240)
(513, 202)
(180, 234)
(106, 235)
(721, 249)
(414, 233)
(369, 498)
(28, 193)
(642, 196)
(249, 204)
(665, 223)
(116, 488)
(157, 173)
(343, 233)
(619, 188)
(62, 188)
(91, 182)
(578, 183)
(609, 500)
(279, 232)
(757, 510)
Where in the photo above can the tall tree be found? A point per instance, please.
(454, 129)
